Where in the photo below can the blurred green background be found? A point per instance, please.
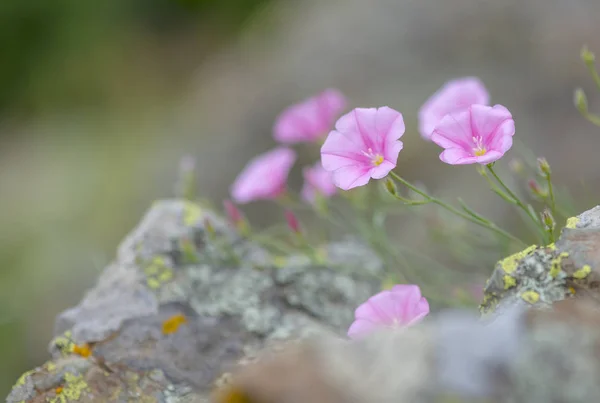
(99, 101)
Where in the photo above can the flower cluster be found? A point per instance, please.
(363, 144)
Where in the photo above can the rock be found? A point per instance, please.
(183, 302)
(543, 275)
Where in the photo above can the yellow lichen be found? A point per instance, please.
(23, 378)
(555, 264)
(232, 394)
(158, 272)
(172, 324)
(552, 246)
(572, 222)
(64, 343)
(509, 282)
(279, 261)
(583, 272)
(50, 366)
(73, 389)
(530, 296)
(510, 263)
(191, 213)
(572, 290)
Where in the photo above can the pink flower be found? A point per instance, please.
(311, 119)
(481, 134)
(317, 181)
(264, 177)
(292, 222)
(364, 145)
(455, 96)
(401, 306)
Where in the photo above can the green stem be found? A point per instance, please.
(485, 224)
(516, 199)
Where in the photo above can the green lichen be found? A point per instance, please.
(191, 214)
(572, 222)
(583, 272)
(158, 272)
(509, 282)
(64, 343)
(530, 296)
(75, 386)
(21, 381)
(510, 263)
(556, 264)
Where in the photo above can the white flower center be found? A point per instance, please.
(376, 158)
(479, 148)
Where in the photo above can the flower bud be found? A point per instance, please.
(390, 186)
(536, 189)
(292, 222)
(543, 166)
(548, 220)
(580, 101)
(586, 56)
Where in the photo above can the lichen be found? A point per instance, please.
(73, 389)
(509, 281)
(158, 272)
(192, 212)
(172, 324)
(510, 263)
(583, 272)
(556, 264)
(572, 222)
(530, 296)
(23, 378)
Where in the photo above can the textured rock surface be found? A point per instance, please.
(183, 302)
(542, 275)
(180, 305)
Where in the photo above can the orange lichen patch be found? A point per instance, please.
(83, 350)
(58, 390)
(172, 324)
(232, 395)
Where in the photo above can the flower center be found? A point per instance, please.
(479, 148)
(376, 159)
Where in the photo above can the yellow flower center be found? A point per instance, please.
(479, 149)
(378, 160)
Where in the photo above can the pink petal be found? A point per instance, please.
(486, 121)
(361, 327)
(489, 157)
(264, 177)
(454, 96)
(382, 169)
(351, 176)
(389, 123)
(457, 156)
(341, 150)
(454, 131)
(366, 124)
(391, 150)
(380, 308)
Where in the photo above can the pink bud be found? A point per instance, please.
(233, 213)
(292, 222)
(536, 189)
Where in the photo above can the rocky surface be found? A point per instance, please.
(187, 299)
(180, 304)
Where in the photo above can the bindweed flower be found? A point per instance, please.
(455, 96)
(264, 177)
(311, 119)
(317, 181)
(401, 306)
(364, 145)
(481, 134)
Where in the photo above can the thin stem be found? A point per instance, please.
(551, 194)
(485, 224)
(518, 201)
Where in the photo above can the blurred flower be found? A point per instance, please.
(317, 181)
(401, 306)
(481, 134)
(455, 96)
(264, 177)
(536, 189)
(364, 145)
(311, 119)
(516, 166)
